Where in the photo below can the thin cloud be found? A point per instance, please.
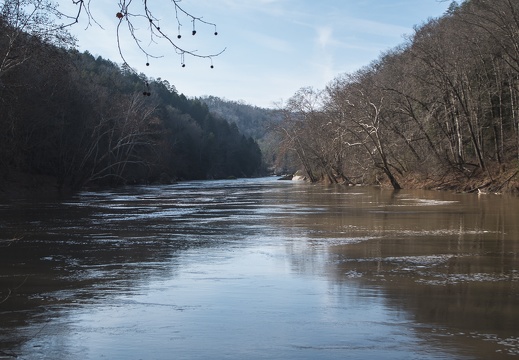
(324, 36)
(268, 42)
(274, 47)
(269, 7)
(376, 28)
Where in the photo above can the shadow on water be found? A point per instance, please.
(444, 267)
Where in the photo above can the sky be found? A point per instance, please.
(272, 47)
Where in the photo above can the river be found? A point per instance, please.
(259, 269)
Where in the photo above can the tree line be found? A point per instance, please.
(440, 109)
(252, 121)
(84, 120)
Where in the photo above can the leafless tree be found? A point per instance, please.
(293, 129)
(361, 105)
(134, 15)
(24, 22)
(117, 140)
(46, 21)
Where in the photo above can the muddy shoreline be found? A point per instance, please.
(19, 184)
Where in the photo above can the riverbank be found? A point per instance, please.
(19, 184)
(483, 182)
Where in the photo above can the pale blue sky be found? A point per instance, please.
(274, 47)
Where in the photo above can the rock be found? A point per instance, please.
(286, 177)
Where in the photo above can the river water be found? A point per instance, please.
(259, 269)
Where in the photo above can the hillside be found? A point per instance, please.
(73, 120)
(252, 121)
(438, 111)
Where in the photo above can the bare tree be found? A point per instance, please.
(133, 16)
(361, 104)
(24, 22)
(117, 140)
(46, 21)
(292, 130)
(498, 23)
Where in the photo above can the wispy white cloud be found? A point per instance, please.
(324, 36)
(274, 47)
(323, 59)
(377, 28)
(269, 7)
(268, 42)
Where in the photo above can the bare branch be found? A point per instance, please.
(129, 13)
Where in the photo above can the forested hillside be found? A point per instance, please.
(441, 110)
(80, 120)
(252, 121)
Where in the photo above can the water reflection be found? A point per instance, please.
(259, 269)
(449, 261)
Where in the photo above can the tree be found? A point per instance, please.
(361, 106)
(44, 20)
(441, 109)
(23, 23)
(118, 141)
(498, 23)
(300, 116)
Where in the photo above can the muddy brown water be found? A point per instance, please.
(259, 269)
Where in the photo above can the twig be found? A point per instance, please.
(7, 297)
(10, 241)
(15, 288)
(507, 181)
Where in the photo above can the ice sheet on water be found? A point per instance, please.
(439, 232)
(341, 240)
(416, 261)
(425, 260)
(450, 279)
(404, 202)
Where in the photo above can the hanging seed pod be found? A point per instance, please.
(119, 15)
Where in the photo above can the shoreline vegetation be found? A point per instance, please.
(70, 120)
(18, 184)
(41, 186)
(440, 111)
(507, 183)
